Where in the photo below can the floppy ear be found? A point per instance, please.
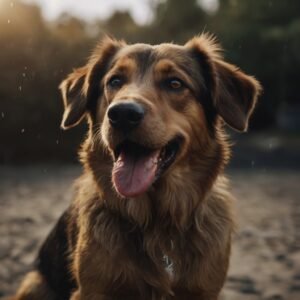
(82, 86)
(74, 98)
(232, 92)
(236, 95)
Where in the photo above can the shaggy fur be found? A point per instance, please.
(172, 241)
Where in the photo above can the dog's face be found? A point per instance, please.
(152, 105)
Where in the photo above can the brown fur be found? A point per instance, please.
(116, 248)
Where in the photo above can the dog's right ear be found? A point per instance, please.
(83, 84)
(74, 98)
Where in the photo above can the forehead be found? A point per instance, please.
(163, 57)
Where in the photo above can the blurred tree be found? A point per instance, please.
(177, 21)
(122, 26)
(34, 58)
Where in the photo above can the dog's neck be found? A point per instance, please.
(173, 199)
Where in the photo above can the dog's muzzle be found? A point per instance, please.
(136, 165)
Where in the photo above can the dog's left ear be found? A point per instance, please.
(234, 94)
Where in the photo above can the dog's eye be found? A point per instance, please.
(115, 82)
(174, 84)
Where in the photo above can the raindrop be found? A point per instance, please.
(8, 21)
(57, 142)
(20, 88)
(24, 74)
(2, 115)
(22, 130)
(252, 163)
(11, 4)
(25, 68)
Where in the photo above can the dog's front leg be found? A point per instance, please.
(100, 274)
(81, 296)
(194, 297)
(78, 295)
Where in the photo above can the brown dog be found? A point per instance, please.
(152, 216)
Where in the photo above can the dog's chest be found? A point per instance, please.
(168, 266)
(168, 263)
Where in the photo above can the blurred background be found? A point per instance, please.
(42, 41)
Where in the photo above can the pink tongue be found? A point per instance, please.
(132, 176)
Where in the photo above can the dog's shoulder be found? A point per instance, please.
(55, 255)
(217, 214)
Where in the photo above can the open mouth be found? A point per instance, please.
(137, 167)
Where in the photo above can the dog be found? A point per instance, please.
(152, 217)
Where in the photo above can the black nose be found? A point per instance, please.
(125, 116)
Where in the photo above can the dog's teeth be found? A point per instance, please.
(149, 164)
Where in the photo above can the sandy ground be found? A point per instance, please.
(265, 262)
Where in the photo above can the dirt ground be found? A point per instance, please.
(265, 262)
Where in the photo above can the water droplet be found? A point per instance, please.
(11, 4)
(252, 163)
(24, 74)
(22, 130)
(2, 115)
(57, 142)
(20, 88)
(8, 21)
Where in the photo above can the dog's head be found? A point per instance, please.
(152, 106)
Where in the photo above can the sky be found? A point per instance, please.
(94, 9)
